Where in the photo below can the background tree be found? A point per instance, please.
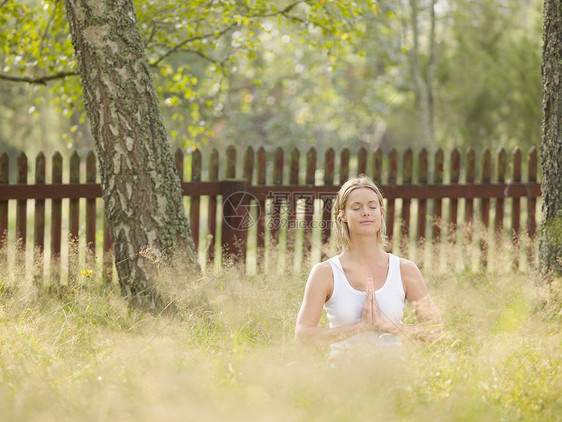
(488, 78)
(550, 246)
(141, 189)
(423, 81)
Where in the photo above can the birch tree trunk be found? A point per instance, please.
(423, 86)
(550, 244)
(141, 188)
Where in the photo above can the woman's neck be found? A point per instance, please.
(365, 250)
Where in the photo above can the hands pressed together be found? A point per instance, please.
(371, 318)
(431, 329)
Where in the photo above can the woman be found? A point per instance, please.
(364, 289)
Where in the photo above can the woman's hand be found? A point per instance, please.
(371, 318)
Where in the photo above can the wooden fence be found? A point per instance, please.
(271, 196)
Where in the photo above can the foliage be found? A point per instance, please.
(287, 73)
(191, 46)
(490, 80)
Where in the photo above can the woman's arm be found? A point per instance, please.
(319, 287)
(430, 327)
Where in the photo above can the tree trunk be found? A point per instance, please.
(141, 189)
(423, 86)
(431, 68)
(550, 243)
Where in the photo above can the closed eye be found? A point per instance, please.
(370, 206)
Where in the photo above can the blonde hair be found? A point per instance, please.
(342, 231)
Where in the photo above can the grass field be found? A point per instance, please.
(228, 354)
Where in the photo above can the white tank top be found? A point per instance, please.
(346, 303)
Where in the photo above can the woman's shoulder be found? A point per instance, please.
(320, 281)
(322, 268)
(408, 267)
(321, 274)
(412, 279)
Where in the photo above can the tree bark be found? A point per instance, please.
(423, 86)
(550, 242)
(431, 68)
(141, 189)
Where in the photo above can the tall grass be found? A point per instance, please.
(227, 353)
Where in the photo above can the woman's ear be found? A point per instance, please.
(341, 215)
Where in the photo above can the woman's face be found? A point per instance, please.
(363, 212)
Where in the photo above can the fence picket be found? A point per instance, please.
(423, 171)
(485, 210)
(500, 178)
(328, 199)
(21, 212)
(407, 170)
(230, 163)
(454, 202)
(74, 209)
(228, 235)
(212, 222)
(361, 161)
(248, 164)
(195, 203)
(39, 219)
(344, 165)
(469, 202)
(261, 176)
(248, 174)
(309, 204)
(56, 219)
(392, 173)
(277, 201)
(292, 205)
(73, 213)
(437, 203)
(4, 180)
(377, 167)
(39, 228)
(468, 228)
(516, 207)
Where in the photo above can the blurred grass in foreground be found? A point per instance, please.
(228, 353)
